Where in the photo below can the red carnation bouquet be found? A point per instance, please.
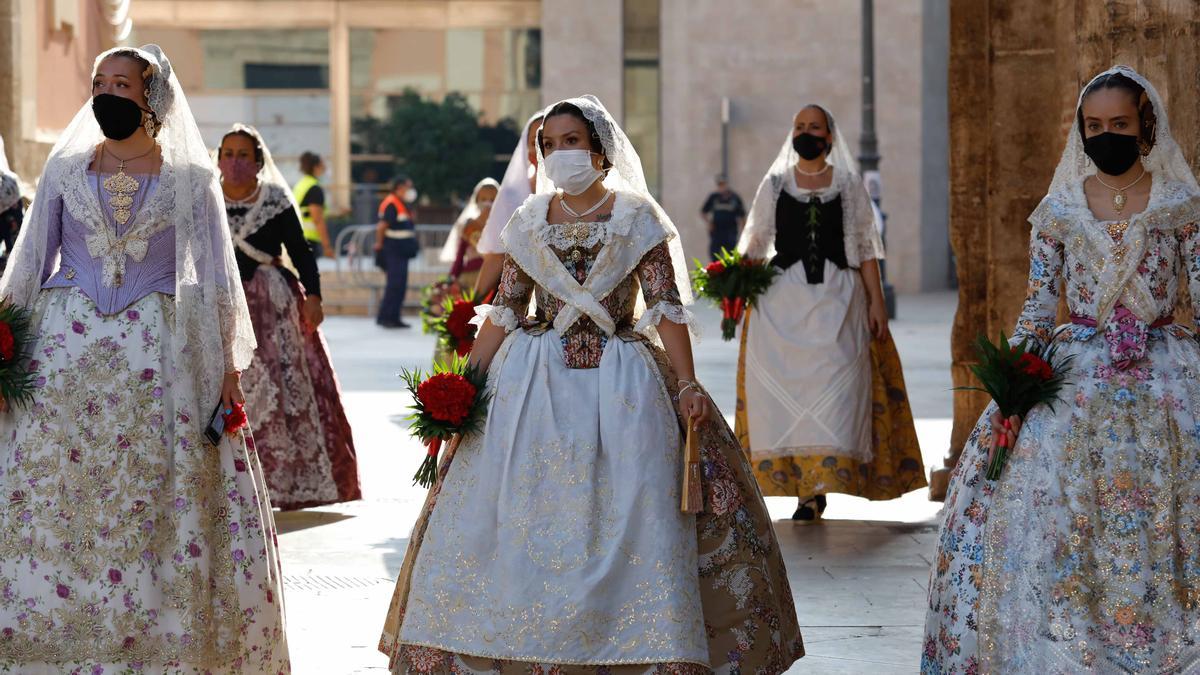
(1017, 377)
(16, 338)
(734, 282)
(235, 419)
(452, 324)
(451, 401)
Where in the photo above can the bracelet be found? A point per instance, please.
(687, 384)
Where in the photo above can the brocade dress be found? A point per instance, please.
(120, 551)
(293, 399)
(554, 540)
(1084, 556)
(822, 407)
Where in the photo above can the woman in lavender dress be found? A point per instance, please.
(128, 542)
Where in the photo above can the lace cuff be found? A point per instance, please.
(673, 312)
(499, 315)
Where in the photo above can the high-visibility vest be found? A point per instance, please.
(300, 190)
(392, 200)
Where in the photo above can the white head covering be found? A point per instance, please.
(10, 185)
(514, 188)
(638, 224)
(858, 214)
(1174, 201)
(274, 197)
(470, 212)
(1165, 160)
(212, 332)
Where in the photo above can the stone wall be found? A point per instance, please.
(1016, 68)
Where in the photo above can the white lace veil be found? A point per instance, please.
(862, 235)
(626, 175)
(514, 188)
(212, 332)
(470, 212)
(1165, 160)
(10, 185)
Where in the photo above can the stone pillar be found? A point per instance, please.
(581, 51)
(1016, 67)
(339, 108)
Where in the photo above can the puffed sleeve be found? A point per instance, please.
(862, 238)
(656, 275)
(511, 303)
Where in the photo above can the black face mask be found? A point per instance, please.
(809, 146)
(118, 117)
(1113, 154)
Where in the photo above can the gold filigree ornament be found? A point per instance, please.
(121, 186)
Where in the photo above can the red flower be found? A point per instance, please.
(1036, 366)
(8, 344)
(447, 397)
(235, 419)
(715, 267)
(458, 324)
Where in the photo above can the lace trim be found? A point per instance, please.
(1172, 205)
(675, 313)
(271, 202)
(562, 237)
(499, 315)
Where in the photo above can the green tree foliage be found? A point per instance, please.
(440, 144)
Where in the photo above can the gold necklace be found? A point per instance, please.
(1119, 193)
(121, 186)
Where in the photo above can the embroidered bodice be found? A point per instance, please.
(260, 236)
(1120, 278)
(151, 271)
(577, 246)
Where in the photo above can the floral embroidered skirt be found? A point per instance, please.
(118, 552)
(293, 401)
(582, 521)
(1085, 555)
(785, 373)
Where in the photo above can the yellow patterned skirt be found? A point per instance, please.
(895, 468)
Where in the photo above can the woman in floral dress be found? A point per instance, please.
(554, 540)
(128, 541)
(1084, 556)
(293, 400)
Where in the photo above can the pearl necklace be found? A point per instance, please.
(812, 174)
(595, 207)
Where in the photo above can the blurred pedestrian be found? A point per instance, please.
(460, 248)
(518, 182)
(311, 198)
(12, 206)
(822, 405)
(292, 396)
(395, 244)
(725, 214)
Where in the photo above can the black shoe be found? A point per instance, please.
(811, 509)
(392, 324)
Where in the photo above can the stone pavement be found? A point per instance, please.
(859, 578)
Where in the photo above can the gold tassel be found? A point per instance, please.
(692, 497)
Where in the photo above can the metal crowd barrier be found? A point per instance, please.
(355, 263)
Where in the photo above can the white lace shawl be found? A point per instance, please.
(631, 233)
(272, 200)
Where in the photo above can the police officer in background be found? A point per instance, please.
(395, 244)
(725, 214)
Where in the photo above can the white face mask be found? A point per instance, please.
(571, 170)
(410, 195)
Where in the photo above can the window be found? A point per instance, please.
(642, 98)
(286, 76)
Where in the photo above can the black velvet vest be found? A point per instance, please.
(809, 232)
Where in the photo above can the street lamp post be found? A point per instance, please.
(868, 158)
